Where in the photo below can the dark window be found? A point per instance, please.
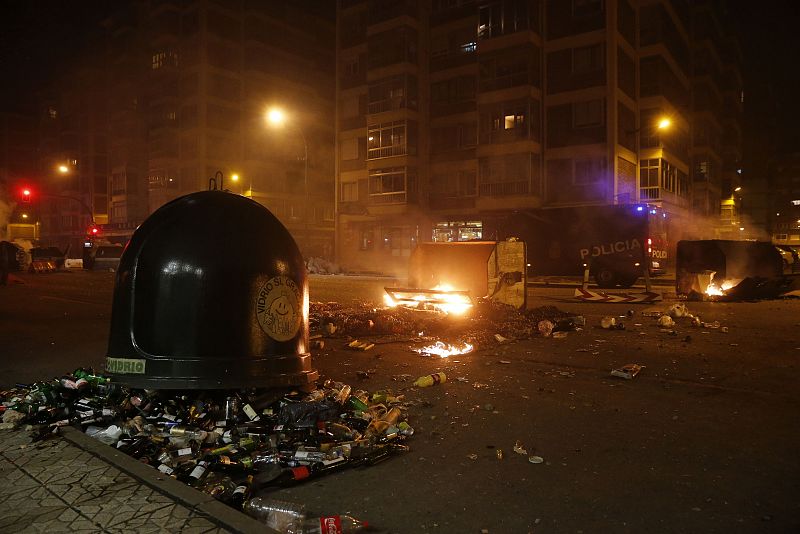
(390, 185)
(588, 113)
(587, 59)
(455, 137)
(584, 8)
(589, 171)
(398, 92)
(453, 91)
(454, 184)
(392, 46)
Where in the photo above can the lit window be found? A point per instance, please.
(468, 47)
(159, 58)
(52, 113)
(512, 121)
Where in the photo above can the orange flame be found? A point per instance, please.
(718, 290)
(445, 350)
(450, 303)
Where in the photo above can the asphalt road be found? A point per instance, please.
(705, 439)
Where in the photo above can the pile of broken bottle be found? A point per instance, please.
(233, 445)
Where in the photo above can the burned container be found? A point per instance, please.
(211, 292)
(733, 269)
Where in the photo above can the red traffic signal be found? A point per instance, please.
(26, 194)
(93, 230)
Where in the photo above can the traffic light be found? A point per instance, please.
(26, 194)
(93, 231)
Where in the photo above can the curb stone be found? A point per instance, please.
(217, 512)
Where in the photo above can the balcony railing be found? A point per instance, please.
(389, 104)
(393, 150)
(503, 189)
(650, 193)
(398, 197)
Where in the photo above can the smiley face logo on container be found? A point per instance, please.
(278, 308)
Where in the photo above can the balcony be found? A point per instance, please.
(504, 189)
(649, 193)
(397, 197)
(390, 151)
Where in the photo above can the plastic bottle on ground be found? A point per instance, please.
(275, 513)
(334, 524)
(430, 380)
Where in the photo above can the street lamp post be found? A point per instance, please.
(277, 117)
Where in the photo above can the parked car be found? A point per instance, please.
(103, 257)
(790, 257)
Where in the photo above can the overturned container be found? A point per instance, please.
(728, 269)
(211, 293)
(473, 269)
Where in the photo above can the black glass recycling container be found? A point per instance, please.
(211, 293)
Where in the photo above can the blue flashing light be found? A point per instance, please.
(652, 212)
(639, 208)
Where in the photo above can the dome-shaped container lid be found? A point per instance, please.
(211, 292)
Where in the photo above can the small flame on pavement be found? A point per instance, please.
(444, 350)
(718, 290)
(444, 300)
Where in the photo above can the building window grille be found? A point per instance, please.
(389, 186)
(389, 139)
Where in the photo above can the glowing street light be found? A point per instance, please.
(738, 189)
(664, 123)
(63, 169)
(276, 117)
(235, 177)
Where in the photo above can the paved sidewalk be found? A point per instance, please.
(73, 483)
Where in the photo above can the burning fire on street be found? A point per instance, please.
(445, 350)
(718, 290)
(443, 298)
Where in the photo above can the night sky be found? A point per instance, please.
(41, 36)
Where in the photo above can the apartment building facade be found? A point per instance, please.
(181, 97)
(451, 111)
(73, 155)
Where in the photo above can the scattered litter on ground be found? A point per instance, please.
(628, 371)
(430, 380)
(545, 327)
(608, 322)
(488, 324)
(235, 445)
(666, 321)
(360, 345)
